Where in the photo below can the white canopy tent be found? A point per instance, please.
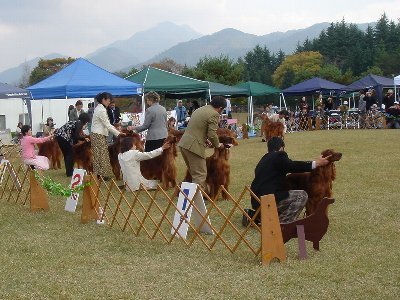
(396, 83)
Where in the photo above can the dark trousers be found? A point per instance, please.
(153, 145)
(66, 149)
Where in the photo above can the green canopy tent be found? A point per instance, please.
(216, 89)
(258, 89)
(154, 79)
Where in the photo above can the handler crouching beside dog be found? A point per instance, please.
(270, 175)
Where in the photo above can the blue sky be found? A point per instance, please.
(30, 29)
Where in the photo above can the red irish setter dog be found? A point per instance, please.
(52, 151)
(162, 167)
(83, 157)
(270, 128)
(317, 183)
(218, 165)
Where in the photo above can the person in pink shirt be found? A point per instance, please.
(28, 149)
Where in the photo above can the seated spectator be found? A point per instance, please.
(48, 128)
(329, 104)
(303, 104)
(388, 100)
(375, 117)
(18, 133)
(393, 116)
(369, 99)
(319, 102)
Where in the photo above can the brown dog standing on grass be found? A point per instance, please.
(317, 183)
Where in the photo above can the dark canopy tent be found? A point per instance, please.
(256, 89)
(312, 86)
(371, 81)
(82, 79)
(9, 91)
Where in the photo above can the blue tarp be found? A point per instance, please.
(371, 81)
(82, 79)
(312, 86)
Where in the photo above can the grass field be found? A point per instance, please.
(52, 256)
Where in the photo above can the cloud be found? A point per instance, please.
(76, 27)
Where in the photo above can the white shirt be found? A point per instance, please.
(130, 167)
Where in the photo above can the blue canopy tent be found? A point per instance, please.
(371, 81)
(80, 79)
(312, 86)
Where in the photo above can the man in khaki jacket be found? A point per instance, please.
(203, 125)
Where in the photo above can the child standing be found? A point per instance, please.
(28, 149)
(129, 160)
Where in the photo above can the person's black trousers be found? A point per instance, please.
(153, 145)
(66, 149)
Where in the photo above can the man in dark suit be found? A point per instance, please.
(270, 175)
(113, 113)
(203, 125)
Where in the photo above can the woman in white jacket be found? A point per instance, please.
(101, 126)
(129, 160)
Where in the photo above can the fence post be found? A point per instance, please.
(90, 206)
(39, 197)
(271, 235)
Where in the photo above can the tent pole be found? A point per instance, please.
(143, 105)
(284, 101)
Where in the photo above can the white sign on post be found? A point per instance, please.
(185, 208)
(76, 180)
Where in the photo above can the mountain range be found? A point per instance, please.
(180, 43)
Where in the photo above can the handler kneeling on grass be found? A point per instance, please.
(270, 175)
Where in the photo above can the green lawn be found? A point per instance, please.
(50, 255)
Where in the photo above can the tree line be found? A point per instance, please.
(342, 53)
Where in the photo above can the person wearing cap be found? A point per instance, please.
(388, 100)
(393, 116)
(48, 128)
(181, 113)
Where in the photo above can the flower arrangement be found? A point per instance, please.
(56, 188)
